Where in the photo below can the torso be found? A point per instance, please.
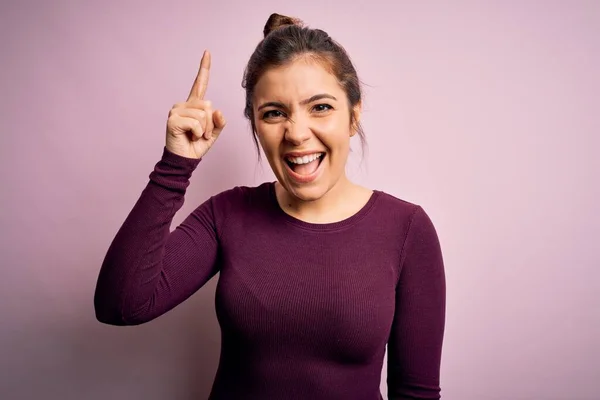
(311, 303)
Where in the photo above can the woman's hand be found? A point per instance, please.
(193, 126)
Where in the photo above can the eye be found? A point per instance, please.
(272, 114)
(322, 108)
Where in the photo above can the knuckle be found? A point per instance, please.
(175, 109)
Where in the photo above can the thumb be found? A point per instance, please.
(219, 123)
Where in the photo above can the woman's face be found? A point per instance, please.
(303, 124)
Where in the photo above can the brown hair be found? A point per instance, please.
(287, 38)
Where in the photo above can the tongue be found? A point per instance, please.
(307, 169)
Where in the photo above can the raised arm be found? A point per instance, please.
(148, 269)
(415, 345)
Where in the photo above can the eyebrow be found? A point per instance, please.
(314, 98)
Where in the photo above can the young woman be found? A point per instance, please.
(316, 274)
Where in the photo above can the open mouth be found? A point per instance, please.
(305, 165)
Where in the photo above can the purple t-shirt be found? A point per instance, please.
(305, 309)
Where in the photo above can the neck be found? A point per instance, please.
(335, 205)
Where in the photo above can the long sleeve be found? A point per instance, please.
(148, 269)
(415, 345)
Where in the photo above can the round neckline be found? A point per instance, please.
(327, 226)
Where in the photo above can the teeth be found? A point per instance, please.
(305, 159)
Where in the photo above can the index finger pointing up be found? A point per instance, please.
(201, 82)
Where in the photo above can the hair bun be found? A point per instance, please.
(277, 21)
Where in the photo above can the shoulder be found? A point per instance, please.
(234, 205)
(240, 199)
(410, 216)
(419, 246)
(395, 208)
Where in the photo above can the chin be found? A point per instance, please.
(306, 193)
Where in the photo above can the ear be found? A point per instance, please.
(356, 112)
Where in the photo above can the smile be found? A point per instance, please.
(304, 168)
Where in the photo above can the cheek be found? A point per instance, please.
(268, 140)
(336, 135)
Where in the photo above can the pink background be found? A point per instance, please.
(486, 115)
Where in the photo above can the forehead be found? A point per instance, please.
(298, 80)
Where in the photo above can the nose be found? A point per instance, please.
(297, 131)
